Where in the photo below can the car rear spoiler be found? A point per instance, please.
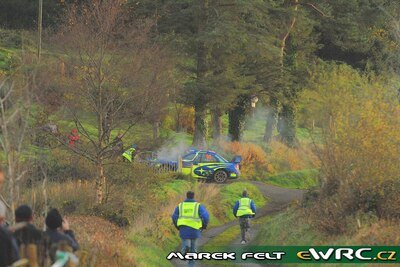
(236, 159)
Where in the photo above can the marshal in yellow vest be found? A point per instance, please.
(244, 207)
(189, 215)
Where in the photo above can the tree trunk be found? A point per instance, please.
(216, 124)
(287, 124)
(156, 130)
(286, 121)
(237, 118)
(100, 182)
(272, 119)
(200, 129)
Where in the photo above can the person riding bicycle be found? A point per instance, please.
(244, 208)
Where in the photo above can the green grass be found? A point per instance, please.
(224, 239)
(150, 253)
(172, 189)
(255, 127)
(175, 138)
(303, 179)
(291, 228)
(5, 58)
(287, 228)
(221, 243)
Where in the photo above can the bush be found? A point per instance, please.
(332, 216)
(383, 232)
(388, 205)
(283, 158)
(10, 38)
(360, 170)
(103, 240)
(254, 159)
(180, 118)
(74, 197)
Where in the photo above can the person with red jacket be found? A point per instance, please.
(73, 137)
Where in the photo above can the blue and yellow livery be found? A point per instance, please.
(199, 164)
(206, 164)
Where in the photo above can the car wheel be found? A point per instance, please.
(220, 176)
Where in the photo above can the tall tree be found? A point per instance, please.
(211, 44)
(200, 99)
(14, 123)
(113, 70)
(297, 42)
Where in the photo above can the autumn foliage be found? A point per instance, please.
(361, 147)
(254, 158)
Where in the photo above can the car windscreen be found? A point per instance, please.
(189, 156)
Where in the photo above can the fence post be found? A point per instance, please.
(180, 164)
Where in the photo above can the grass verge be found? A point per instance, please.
(303, 179)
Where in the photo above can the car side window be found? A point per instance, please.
(210, 158)
(198, 159)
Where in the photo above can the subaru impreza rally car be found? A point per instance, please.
(199, 164)
(206, 164)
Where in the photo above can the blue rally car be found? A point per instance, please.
(206, 164)
(199, 164)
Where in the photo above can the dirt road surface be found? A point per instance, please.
(279, 199)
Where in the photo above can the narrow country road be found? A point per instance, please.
(279, 198)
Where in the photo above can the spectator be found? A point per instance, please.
(73, 137)
(58, 231)
(27, 233)
(245, 209)
(8, 246)
(190, 217)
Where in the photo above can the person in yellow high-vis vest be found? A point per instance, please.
(130, 153)
(190, 217)
(244, 209)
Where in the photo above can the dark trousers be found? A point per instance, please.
(244, 223)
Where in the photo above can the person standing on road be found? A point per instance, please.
(244, 208)
(190, 217)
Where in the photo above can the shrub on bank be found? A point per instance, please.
(360, 154)
(254, 159)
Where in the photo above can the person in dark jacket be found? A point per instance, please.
(58, 231)
(190, 218)
(8, 246)
(245, 209)
(27, 233)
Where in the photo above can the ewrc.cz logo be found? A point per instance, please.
(339, 254)
(296, 254)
